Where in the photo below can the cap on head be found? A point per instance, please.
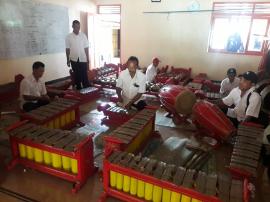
(155, 59)
(231, 71)
(250, 76)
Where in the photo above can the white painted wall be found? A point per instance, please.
(177, 39)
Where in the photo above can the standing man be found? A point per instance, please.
(33, 93)
(229, 83)
(77, 53)
(151, 71)
(131, 85)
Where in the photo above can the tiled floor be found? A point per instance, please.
(42, 187)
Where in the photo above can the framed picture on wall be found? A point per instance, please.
(155, 0)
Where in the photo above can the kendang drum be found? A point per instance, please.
(210, 120)
(177, 99)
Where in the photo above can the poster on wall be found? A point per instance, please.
(30, 28)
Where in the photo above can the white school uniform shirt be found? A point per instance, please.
(77, 43)
(126, 83)
(239, 111)
(30, 86)
(151, 73)
(226, 86)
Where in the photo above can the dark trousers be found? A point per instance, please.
(262, 120)
(140, 105)
(234, 121)
(29, 106)
(80, 74)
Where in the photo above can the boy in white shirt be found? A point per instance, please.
(151, 71)
(229, 83)
(33, 93)
(246, 101)
(131, 85)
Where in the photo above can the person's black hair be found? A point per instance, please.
(133, 59)
(37, 65)
(75, 22)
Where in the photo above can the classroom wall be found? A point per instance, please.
(177, 39)
(55, 63)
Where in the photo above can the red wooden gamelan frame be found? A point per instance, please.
(253, 16)
(115, 72)
(108, 191)
(163, 77)
(117, 144)
(112, 143)
(72, 124)
(83, 154)
(84, 98)
(239, 173)
(113, 118)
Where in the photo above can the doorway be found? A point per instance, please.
(107, 35)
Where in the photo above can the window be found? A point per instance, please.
(108, 9)
(239, 28)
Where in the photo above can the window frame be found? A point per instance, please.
(228, 16)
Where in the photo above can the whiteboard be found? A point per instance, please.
(30, 28)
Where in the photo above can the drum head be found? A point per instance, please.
(184, 102)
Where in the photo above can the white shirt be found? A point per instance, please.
(126, 83)
(30, 86)
(239, 111)
(151, 73)
(77, 44)
(233, 99)
(226, 86)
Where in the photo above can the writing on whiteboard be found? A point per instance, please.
(30, 28)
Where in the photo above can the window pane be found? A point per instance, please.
(238, 34)
(219, 33)
(230, 34)
(257, 34)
